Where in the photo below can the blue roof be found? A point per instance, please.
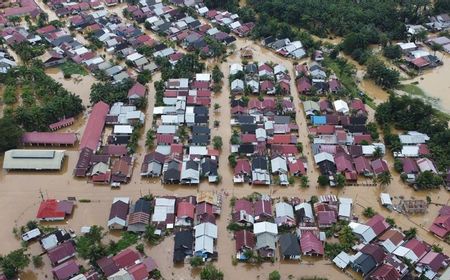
(319, 120)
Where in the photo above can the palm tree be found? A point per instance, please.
(340, 180)
(384, 179)
(369, 212)
(216, 107)
(182, 133)
(304, 181)
(435, 48)
(377, 153)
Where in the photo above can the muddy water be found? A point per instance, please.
(436, 83)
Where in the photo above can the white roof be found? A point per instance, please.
(117, 221)
(419, 53)
(407, 46)
(235, 24)
(341, 106)
(370, 149)
(323, 156)
(163, 149)
(31, 234)
(203, 10)
(284, 209)
(413, 137)
(204, 77)
(405, 253)
(33, 159)
(342, 260)
(388, 245)
(426, 165)
(198, 150)
(308, 209)
(204, 243)
(235, 67)
(167, 129)
(408, 151)
(260, 133)
(385, 199)
(207, 229)
(279, 165)
(262, 227)
(170, 119)
(134, 56)
(345, 207)
(163, 206)
(365, 232)
(123, 129)
(237, 84)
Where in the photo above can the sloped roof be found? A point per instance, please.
(289, 245)
(311, 244)
(244, 238)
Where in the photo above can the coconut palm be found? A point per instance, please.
(384, 179)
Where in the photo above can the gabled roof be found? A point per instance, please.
(385, 272)
(289, 245)
(310, 244)
(263, 207)
(244, 239)
(185, 209)
(441, 226)
(265, 227)
(375, 251)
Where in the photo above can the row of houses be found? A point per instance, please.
(302, 223)
(419, 57)
(263, 78)
(6, 61)
(22, 8)
(183, 119)
(106, 158)
(313, 79)
(179, 27)
(266, 142)
(285, 47)
(119, 39)
(384, 252)
(67, 8)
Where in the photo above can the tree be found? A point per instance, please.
(13, 263)
(217, 142)
(144, 77)
(381, 74)
(10, 134)
(150, 236)
(428, 179)
(90, 246)
(232, 160)
(182, 133)
(15, 19)
(150, 139)
(377, 153)
(217, 75)
(37, 261)
(390, 221)
(196, 261)
(398, 165)
(216, 107)
(210, 272)
(436, 248)
(340, 180)
(274, 275)
(392, 52)
(323, 180)
(369, 212)
(384, 179)
(140, 248)
(410, 233)
(436, 48)
(304, 181)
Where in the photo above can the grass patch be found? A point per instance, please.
(412, 89)
(70, 68)
(127, 239)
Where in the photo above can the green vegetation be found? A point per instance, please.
(27, 52)
(408, 113)
(392, 52)
(196, 261)
(110, 93)
(90, 246)
(150, 236)
(126, 240)
(10, 134)
(323, 180)
(346, 241)
(186, 67)
(412, 89)
(217, 77)
(274, 275)
(381, 74)
(70, 68)
(134, 138)
(428, 180)
(384, 179)
(37, 261)
(150, 139)
(410, 233)
(210, 272)
(391, 222)
(45, 101)
(144, 77)
(13, 263)
(369, 212)
(217, 142)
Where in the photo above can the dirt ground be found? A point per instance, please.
(20, 192)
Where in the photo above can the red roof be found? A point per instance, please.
(242, 166)
(362, 165)
(423, 150)
(108, 266)
(244, 239)
(94, 127)
(204, 208)
(418, 247)
(66, 270)
(420, 62)
(138, 271)
(379, 166)
(357, 139)
(385, 272)
(441, 226)
(200, 85)
(283, 139)
(243, 205)
(310, 244)
(164, 139)
(343, 163)
(49, 210)
(326, 218)
(115, 150)
(61, 252)
(357, 105)
(126, 258)
(185, 209)
(286, 149)
(137, 89)
(326, 129)
(49, 138)
(263, 207)
(378, 224)
(46, 29)
(296, 167)
(248, 138)
(176, 149)
(303, 85)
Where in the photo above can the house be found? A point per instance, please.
(139, 216)
(431, 264)
(205, 234)
(172, 173)
(363, 166)
(266, 244)
(61, 253)
(341, 107)
(152, 164)
(94, 127)
(37, 160)
(119, 212)
(371, 256)
(136, 92)
(441, 226)
(385, 272)
(183, 246)
(66, 270)
(391, 239)
(326, 219)
(164, 213)
(284, 214)
(245, 240)
(54, 210)
(426, 164)
(265, 227)
(289, 246)
(242, 171)
(260, 172)
(304, 213)
(310, 244)
(237, 86)
(379, 166)
(262, 210)
(345, 208)
(190, 173)
(54, 238)
(279, 165)
(185, 214)
(243, 212)
(412, 250)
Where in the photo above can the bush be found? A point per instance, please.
(37, 261)
(274, 275)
